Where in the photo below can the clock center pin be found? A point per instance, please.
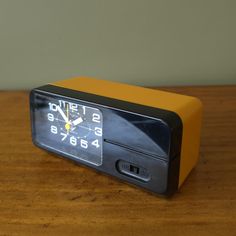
(67, 126)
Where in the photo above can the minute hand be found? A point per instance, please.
(63, 114)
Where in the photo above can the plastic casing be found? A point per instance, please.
(181, 114)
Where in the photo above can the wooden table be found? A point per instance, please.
(41, 194)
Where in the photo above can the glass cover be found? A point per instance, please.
(68, 126)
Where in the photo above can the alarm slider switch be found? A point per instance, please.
(133, 170)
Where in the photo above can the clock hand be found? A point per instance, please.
(77, 121)
(62, 114)
(67, 112)
(67, 125)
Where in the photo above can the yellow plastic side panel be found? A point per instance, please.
(188, 108)
(130, 93)
(190, 141)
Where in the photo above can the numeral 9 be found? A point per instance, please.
(50, 117)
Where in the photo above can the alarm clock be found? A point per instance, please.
(146, 137)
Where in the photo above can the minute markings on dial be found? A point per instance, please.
(74, 120)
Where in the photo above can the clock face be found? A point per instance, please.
(69, 126)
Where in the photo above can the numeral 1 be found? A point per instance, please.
(62, 103)
(83, 110)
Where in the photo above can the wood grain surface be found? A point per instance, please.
(41, 194)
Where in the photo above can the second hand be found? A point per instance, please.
(67, 125)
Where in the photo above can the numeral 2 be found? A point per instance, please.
(96, 118)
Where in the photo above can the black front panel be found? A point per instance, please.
(127, 142)
(137, 132)
(155, 177)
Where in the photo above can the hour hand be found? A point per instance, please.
(77, 121)
(62, 114)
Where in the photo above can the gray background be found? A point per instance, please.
(144, 42)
